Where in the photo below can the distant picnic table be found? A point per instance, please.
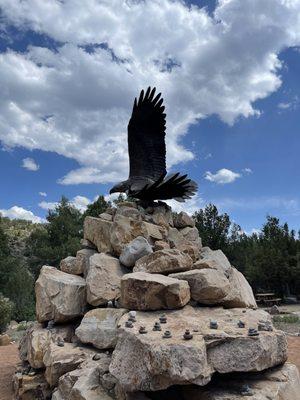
(268, 299)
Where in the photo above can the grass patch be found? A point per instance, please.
(286, 319)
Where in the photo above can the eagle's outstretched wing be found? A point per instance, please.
(146, 137)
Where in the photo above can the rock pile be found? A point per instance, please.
(145, 312)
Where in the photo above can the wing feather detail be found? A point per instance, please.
(146, 137)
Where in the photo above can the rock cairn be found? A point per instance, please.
(145, 312)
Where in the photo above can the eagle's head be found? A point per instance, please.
(121, 187)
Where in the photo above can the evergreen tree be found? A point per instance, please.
(213, 227)
(57, 239)
(98, 207)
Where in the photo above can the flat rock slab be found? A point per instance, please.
(99, 327)
(59, 296)
(164, 262)
(147, 362)
(143, 291)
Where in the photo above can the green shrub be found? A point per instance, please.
(6, 310)
(22, 326)
(286, 319)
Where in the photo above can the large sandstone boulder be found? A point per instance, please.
(164, 262)
(191, 234)
(150, 362)
(69, 265)
(133, 251)
(59, 296)
(182, 220)
(38, 339)
(99, 327)
(240, 293)
(103, 280)
(160, 215)
(214, 259)
(97, 231)
(144, 291)
(83, 260)
(214, 287)
(60, 360)
(208, 286)
(125, 229)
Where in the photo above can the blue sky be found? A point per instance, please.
(232, 107)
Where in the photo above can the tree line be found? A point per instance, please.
(270, 259)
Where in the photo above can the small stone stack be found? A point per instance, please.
(144, 307)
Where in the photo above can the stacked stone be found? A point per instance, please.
(143, 307)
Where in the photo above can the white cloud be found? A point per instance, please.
(48, 205)
(30, 164)
(17, 212)
(293, 104)
(43, 194)
(222, 176)
(190, 206)
(77, 102)
(79, 202)
(248, 171)
(284, 106)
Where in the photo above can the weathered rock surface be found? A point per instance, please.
(87, 244)
(83, 260)
(4, 340)
(28, 387)
(214, 259)
(191, 234)
(130, 212)
(125, 229)
(133, 251)
(144, 291)
(38, 340)
(59, 296)
(240, 293)
(208, 286)
(85, 383)
(280, 383)
(148, 362)
(99, 327)
(214, 287)
(97, 231)
(160, 215)
(60, 360)
(69, 265)
(182, 220)
(164, 262)
(103, 280)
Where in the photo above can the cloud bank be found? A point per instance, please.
(75, 97)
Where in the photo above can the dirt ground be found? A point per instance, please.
(9, 359)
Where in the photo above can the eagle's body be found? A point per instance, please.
(147, 155)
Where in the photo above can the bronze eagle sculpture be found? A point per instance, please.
(148, 178)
